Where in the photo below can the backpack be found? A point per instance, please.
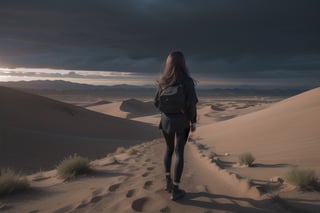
(172, 99)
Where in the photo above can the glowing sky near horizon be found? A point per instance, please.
(131, 78)
(76, 76)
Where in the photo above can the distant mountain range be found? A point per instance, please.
(60, 85)
(64, 85)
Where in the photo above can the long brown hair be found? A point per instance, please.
(175, 68)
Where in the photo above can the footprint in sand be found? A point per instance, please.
(64, 209)
(130, 193)
(150, 168)
(114, 187)
(145, 174)
(148, 184)
(138, 204)
(95, 199)
(133, 168)
(165, 209)
(82, 205)
(97, 191)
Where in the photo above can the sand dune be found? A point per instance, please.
(280, 136)
(212, 110)
(133, 109)
(137, 108)
(49, 131)
(97, 103)
(130, 108)
(150, 119)
(286, 132)
(110, 109)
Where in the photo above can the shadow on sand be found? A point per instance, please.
(224, 203)
(278, 165)
(213, 202)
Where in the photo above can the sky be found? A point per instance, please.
(247, 42)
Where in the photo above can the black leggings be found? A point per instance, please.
(181, 139)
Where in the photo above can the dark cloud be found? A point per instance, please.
(222, 37)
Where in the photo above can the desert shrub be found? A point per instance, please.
(11, 183)
(72, 166)
(305, 179)
(246, 159)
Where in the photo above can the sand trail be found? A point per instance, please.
(134, 182)
(208, 189)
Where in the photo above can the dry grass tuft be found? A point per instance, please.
(305, 179)
(246, 159)
(11, 183)
(73, 166)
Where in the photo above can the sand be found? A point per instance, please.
(36, 133)
(134, 183)
(280, 135)
(284, 133)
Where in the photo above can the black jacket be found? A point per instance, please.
(180, 122)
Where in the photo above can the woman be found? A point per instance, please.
(176, 123)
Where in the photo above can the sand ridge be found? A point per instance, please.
(133, 109)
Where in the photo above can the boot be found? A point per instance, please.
(177, 193)
(169, 184)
